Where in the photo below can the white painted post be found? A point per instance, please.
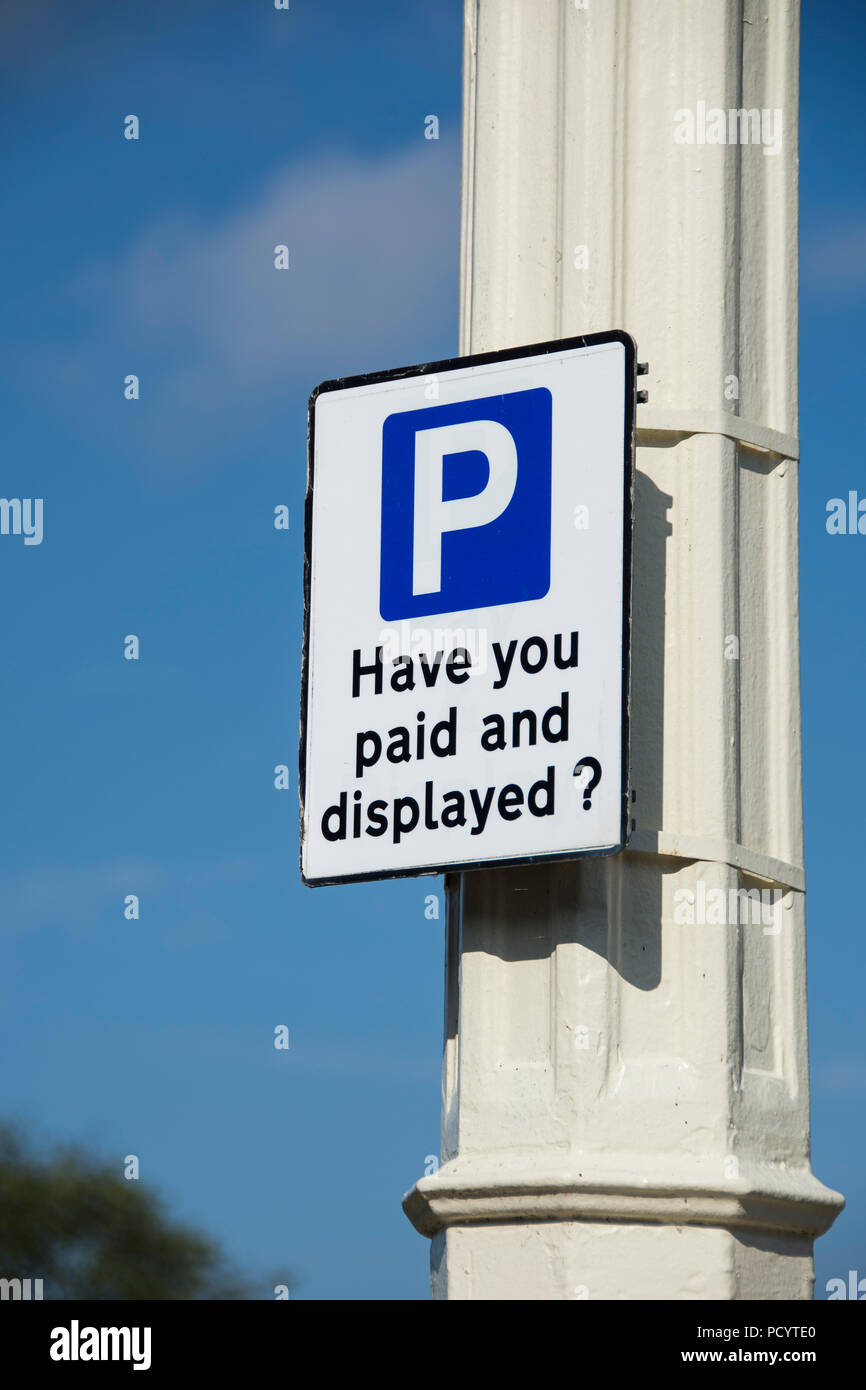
(625, 1090)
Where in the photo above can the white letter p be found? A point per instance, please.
(433, 516)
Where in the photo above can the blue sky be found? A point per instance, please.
(156, 777)
(832, 617)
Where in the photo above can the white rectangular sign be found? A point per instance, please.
(468, 552)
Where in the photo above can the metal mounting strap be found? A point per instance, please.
(708, 850)
(717, 422)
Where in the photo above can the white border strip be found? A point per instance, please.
(710, 851)
(716, 422)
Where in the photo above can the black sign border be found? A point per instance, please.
(450, 364)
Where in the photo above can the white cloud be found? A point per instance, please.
(75, 900)
(840, 1077)
(372, 1058)
(221, 333)
(834, 254)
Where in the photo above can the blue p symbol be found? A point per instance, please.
(466, 496)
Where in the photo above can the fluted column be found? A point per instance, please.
(625, 1086)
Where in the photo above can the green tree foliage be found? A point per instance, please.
(88, 1233)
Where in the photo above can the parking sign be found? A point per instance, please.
(466, 653)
